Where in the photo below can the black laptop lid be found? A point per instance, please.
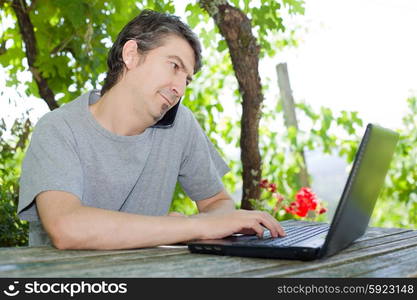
(362, 188)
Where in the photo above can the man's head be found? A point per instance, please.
(149, 30)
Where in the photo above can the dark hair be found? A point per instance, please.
(148, 29)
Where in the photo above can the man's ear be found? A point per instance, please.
(130, 54)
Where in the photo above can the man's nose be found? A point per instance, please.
(178, 85)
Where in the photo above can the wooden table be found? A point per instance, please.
(381, 252)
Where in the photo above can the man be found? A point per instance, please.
(100, 171)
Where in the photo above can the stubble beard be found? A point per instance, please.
(165, 93)
(164, 108)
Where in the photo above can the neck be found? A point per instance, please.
(116, 113)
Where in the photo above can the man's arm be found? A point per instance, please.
(219, 203)
(71, 225)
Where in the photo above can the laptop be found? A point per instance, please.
(309, 240)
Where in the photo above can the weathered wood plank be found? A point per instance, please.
(64, 263)
(195, 265)
(392, 264)
(360, 252)
(373, 240)
(372, 237)
(372, 255)
(404, 267)
(177, 265)
(373, 232)
(136, 264)
(40, 254)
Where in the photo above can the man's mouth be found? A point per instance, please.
(167, 99)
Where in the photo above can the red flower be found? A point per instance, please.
(305, 200)
(264, 183)
(307, 196)
(297, 208)
(322, 210)
(272, 187)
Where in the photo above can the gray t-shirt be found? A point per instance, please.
(70, 151)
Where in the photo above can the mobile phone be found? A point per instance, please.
(168, 119)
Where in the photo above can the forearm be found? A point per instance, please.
(219, 207)
(95, 228)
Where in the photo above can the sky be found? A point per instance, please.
(354, 55)
(357, 55)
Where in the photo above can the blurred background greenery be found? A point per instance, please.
(69, 58)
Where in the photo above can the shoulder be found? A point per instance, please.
(185, 117)
(53, 118)
(59, 120)
(184, 111)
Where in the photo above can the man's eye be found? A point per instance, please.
(174, 65)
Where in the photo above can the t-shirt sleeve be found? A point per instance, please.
(202, 167)
(51, 163)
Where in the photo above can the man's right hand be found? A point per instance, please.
(218, 226)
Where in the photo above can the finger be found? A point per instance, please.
(267, 220)
(272, 225)
(259, 229)
(278, 229)
(262, 218)
(281, 230)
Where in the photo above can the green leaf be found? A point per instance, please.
(222, 46)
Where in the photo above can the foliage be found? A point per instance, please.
(323, 130)
(398, 199)
(73, 39)
(13, 231)
(267, 20)
(397, 202)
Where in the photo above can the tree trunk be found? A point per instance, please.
(290, 117)
(28, 35)
(236, 28)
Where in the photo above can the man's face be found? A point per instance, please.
(159, 80)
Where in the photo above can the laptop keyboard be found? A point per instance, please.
(294, 235)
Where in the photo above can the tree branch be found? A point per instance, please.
(63, 45)
(3, 48)
(23, 137)
(28, 36)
